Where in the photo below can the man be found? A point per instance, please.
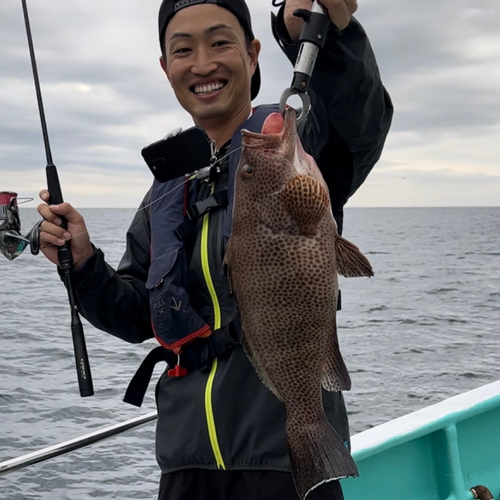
(220, 432)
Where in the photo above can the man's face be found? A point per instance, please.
(208, 62)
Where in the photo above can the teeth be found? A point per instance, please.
(202, 89)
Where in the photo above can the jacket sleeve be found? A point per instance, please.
(351, 111)
(117, 301)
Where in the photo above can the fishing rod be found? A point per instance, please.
(64, 253)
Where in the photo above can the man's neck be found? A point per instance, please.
(221, 131)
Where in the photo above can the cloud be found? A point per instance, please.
(440, 61)
(106, 97)
(438, 187)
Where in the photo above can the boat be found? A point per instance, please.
(446, 451)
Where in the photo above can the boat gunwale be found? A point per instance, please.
(425, 421)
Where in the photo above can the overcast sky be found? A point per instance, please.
(106, 98)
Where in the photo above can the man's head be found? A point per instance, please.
(238, 8)
(211, 60)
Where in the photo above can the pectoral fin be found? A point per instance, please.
(350, 261)
(306, 201)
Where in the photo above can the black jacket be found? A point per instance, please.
(225, 417)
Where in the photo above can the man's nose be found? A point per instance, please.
(204, 63)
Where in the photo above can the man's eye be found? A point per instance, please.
(182, 50)
(220, 43)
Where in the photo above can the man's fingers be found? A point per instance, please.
(340, 11)
(352, 6)
(44, 195)
(48, 214)
(53, 213)
(68, 211)
(52, 235)
(55, 230)
(48, 240)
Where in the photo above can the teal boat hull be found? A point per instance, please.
(437, 453)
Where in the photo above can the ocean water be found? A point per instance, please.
(423, 329)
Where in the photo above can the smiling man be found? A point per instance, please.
(220, 431)
(209, 62)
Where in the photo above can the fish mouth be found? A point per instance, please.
(256, 139)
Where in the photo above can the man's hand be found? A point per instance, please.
(52, 235)
(339, 12)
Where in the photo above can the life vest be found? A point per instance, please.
(174, 321)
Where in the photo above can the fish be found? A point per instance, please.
(282, 263)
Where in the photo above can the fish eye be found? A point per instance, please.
(247, 171)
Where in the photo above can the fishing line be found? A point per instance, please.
(26, 199)
(201, 173)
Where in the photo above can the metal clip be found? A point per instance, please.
(313, 37)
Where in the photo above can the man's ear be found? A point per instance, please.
(163, 65)
(253, 53)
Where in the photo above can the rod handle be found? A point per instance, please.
(66, 263)
(81, 359)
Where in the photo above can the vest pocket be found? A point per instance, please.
(174, 321)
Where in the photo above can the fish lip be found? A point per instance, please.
(257, 138)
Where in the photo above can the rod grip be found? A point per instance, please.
(81, 359)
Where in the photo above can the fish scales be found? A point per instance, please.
(283, 257)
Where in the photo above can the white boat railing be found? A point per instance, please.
(74, 444)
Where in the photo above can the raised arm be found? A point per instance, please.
(351, 111)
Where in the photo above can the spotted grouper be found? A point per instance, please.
(283, 258)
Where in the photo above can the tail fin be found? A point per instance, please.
(317, 454)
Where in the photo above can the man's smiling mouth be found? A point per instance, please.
(210, 87)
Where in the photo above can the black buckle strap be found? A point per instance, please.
(203, 353)
(199, 209)
(140, 381)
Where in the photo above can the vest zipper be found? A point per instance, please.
(212, 431)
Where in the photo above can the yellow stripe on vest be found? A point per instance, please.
(212, 431)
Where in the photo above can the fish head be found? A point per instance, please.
(271, 158)
(267, 158)
(275, 172)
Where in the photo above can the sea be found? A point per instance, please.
(424, 328)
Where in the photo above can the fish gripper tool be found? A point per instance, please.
(312, 38)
